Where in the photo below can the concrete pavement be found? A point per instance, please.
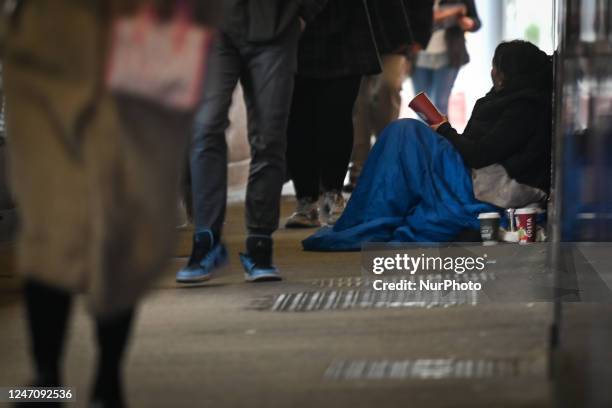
(208, 346)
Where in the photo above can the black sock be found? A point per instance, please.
(112, 334)
(48, 309)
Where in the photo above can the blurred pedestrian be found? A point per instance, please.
(257, 46)
(94, 173)
(379, 99)
(437, 67)
(336, 50)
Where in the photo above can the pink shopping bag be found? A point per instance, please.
(159, 60)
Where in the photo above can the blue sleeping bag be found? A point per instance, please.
(414, 188)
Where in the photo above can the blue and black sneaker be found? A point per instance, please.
(206, 256)
(257, 262)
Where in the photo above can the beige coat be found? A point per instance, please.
(94, 176)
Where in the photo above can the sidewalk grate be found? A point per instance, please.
(429, 369)
(353, 292)
(363, 299)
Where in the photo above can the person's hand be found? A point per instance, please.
(467, 23)
(302, 24)
(435, 127)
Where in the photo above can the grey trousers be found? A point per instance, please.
(266, 73)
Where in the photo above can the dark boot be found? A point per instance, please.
(113, 335)
(206, 256)
(48, 309)
(257, 262)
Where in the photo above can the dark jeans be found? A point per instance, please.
(266, 72)
(321, 133)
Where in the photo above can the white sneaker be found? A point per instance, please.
(332, 207)
(306, 215)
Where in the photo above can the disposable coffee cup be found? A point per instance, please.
(489, 227)
(423, 106)
(526, 224)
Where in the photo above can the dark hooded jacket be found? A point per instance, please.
(512, 127)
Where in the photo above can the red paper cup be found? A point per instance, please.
(422, 105)
(526, 224)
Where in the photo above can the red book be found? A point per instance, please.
(425, 108)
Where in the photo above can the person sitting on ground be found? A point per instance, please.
(423, 184)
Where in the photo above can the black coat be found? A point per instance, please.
(455, 37)
(397, 24)
(339, 42)
(511, 128)
(420, 16)
(264, 20)
(391, 25)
